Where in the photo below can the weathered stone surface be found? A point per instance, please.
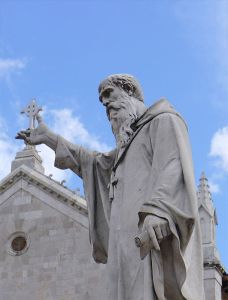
(57, 264)
(212, 283)
(29, 157)
(208, 221)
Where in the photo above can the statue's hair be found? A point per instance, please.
(126, 82)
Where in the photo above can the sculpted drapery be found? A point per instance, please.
(152, 174)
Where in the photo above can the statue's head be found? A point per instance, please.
(122, 96)
(124, 82)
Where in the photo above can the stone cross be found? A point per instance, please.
(31, 110)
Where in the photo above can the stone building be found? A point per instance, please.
(44, 241)
(44, 245)
(213, 271)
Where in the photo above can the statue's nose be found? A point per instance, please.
(105, 101)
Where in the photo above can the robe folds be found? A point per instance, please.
(152, 174)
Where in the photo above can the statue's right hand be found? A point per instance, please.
(157, 229)
(34, 136)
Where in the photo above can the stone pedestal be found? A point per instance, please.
(29, 157)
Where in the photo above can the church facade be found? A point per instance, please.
(44, 240)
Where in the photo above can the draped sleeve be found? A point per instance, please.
(95, 170)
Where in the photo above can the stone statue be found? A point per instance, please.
(143, 190)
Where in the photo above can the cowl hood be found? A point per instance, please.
(160, 107)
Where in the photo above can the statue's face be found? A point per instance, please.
(111, 98)
(119, 106)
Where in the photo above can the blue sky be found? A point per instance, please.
(58, 51)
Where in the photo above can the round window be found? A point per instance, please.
(17, 243)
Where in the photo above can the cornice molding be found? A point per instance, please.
(47, 185)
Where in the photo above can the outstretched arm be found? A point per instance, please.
(68, 155)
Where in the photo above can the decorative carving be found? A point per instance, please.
(70, 201)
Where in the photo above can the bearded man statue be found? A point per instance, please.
(145, 187)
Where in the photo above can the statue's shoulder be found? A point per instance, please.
(162, 110)
(161, 106)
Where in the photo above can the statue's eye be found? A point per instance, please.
(107, 92)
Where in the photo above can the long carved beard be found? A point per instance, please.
(126, 131)
(121, 125)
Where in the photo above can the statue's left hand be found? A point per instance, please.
(157, 228)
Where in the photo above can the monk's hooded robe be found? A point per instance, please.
(152, 174)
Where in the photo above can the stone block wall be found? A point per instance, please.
(212, 283)
(57, 264)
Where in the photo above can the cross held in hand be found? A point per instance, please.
(31, 110)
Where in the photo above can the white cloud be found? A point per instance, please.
(63, 122)
(9, 66)
(214, 187)
(48, 157)
(70, 127)
(219, 148)
(8, 148)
